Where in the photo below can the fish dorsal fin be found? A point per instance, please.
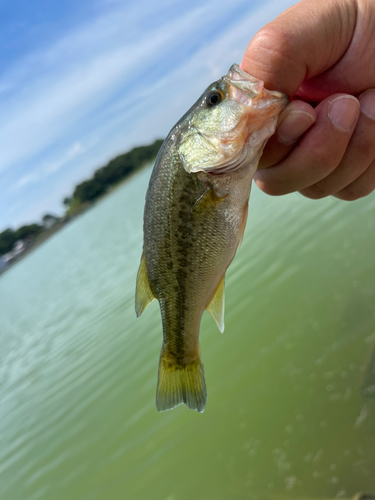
(216, 305)
(143, 292)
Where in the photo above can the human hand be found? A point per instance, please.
(321, 53)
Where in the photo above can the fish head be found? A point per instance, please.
(230, 124)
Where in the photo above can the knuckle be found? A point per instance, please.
(363, 145)
(325, 161)
(353, 193)
(315, 192)
(267, 186)
(271, 47)
(273, 39)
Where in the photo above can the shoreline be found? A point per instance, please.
(42, 238)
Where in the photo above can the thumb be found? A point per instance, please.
(302, 42)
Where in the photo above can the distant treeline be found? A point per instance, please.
(115, 171)
(9, 237)
(86, 192)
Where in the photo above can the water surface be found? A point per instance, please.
(291, 382)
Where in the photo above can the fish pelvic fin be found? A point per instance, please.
(180, 384)
(216, 305)
(143, 292)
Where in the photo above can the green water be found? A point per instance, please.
(291, 382)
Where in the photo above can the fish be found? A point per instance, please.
(194, 219)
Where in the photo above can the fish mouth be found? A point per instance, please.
(260, 106)
(248, 90)
(260, 110)
(248, 85)
(253, 113)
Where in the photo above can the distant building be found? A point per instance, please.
(8, 257)
(19, 247)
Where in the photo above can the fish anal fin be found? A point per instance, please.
(143, 292)
(180, 384)
(216, 305)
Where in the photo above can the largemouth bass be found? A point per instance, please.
(194, 219)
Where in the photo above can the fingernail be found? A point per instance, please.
(343, 112)
(294, 125)
(367, 104)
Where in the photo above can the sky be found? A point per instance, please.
(81, 82)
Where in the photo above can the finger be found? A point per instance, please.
(355, 71)
(359, 154)
(362, 186)
(292, 49)
(318, 153)
(297, 117)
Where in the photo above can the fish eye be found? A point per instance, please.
(214, 98)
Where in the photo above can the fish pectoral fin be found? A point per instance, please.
(216, 305)
(143, 292)
(205, 202)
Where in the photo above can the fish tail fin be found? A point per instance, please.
(180, 384)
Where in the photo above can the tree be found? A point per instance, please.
(25, 231)
(67, 201)
(7, 241)
(105, 177)
(88, 190)
(116, 169)
(49, 220)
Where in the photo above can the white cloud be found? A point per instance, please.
(91, 88)
(161, 104)
(50, 168)
(72, 152)
(51, 104)
(27, 179)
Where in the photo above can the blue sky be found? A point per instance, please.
(81, 82)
